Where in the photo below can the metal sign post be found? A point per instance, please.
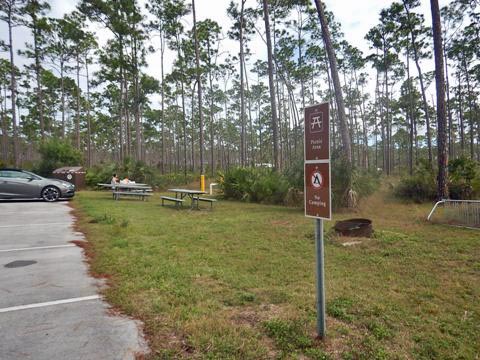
(318, 191)
(321, 328)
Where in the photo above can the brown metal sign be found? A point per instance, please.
(317, 132)
(317, 162)
(317, 190)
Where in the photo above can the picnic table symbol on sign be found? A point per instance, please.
(316, 125)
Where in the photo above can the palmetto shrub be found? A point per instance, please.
(419, 187)
(255, 184)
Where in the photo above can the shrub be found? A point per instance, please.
(57, 153)
(419, 187)
(173, 179)
(266, 186)
(255, 185)
(476, 186)
(349, 184)
(462, 173)
(101, 173)
(294, 174)
(463, 181)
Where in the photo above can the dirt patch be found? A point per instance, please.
(172, 343)
(348, 241)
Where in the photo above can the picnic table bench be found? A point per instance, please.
(211, 201)
(177, 201)
(194, 196)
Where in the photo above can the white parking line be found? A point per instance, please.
(19, 212)
(49, 303)
(38, 248)
(39, 224)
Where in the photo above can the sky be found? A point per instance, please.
(355, 16)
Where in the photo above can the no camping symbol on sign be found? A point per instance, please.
(317, 180)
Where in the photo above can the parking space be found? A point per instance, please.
(49, 306)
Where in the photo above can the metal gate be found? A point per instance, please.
(464, 213)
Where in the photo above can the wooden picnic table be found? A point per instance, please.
(132, 189)
(192, 194)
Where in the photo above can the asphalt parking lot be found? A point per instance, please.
(49, 306)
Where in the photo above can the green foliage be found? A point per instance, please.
(265, 186)
(364, 183)
(463, 176)
(173, 179)
(101, 173)
(462, 173)
(55, 154)
(294, 174)
(341, 173)
(420, 186)
(346, 178)
(255, 185)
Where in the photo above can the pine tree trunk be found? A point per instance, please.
(460, 117)
(422, 87)
(242, 94)
(138, 128)
(62, 89)
(192, 139)
(336, 83)
(162, 93)
(442, 190)
(13, 90)
(386, 146)
(212, 157)
(89, 120)
(273, 105)
(39, 81)
(128, 131)
(77, 118)
(184, 125)
(199, 84)
(3, 120)
(410, 116)
(121, 105)
(470, 106)
(252, 142)
(451, 134)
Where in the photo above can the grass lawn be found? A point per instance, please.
(239, 282)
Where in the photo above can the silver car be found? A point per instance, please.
(21, 184)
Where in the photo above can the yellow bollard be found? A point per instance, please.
(202, 182)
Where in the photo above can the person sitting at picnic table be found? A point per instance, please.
(114, 179)
(126, 181)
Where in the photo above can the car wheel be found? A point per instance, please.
(50, 194)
